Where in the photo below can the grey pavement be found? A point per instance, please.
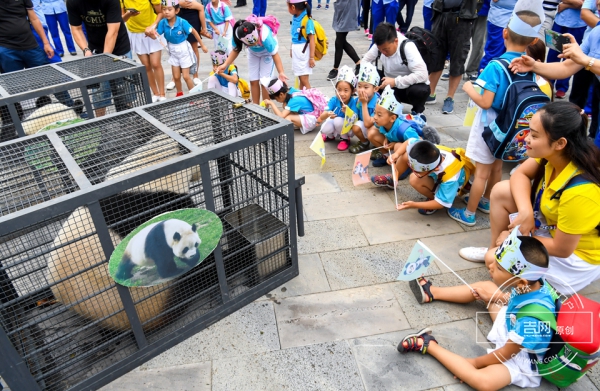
(336, 325)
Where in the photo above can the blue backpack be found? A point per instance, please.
(505, 136)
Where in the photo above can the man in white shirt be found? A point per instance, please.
(409, 77)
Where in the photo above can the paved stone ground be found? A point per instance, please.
(336, 326)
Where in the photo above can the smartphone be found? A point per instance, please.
(555, 40)
(131, 9)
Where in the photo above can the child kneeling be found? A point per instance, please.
(521, 263)
(226, 80)
(299, 109)
(439, 173)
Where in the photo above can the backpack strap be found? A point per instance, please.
(402, 54)
(512, 77)
(539, 312)
(576, 180)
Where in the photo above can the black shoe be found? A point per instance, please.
(332, 74)
(357, 69)
(73, 53)
(239, 5)
(61, 54)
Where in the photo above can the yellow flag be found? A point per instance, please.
(297, 83)
(318, 146)
(350, 118)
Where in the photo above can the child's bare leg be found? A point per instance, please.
(359, 134)
(423, 185)
(255, 91)
(295, 119)
(303, 81)
(375, 137)
(460, 293)
(176, 71)
(188, 78)
(402, 162)
(501, 207)
(482, 174)
(493, 377)
(197, 53)
(265, 93)
(495, 177)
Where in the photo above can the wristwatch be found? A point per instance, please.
(590, 64)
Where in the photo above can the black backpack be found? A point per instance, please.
(427, 44)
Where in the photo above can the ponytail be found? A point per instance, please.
(564, 119)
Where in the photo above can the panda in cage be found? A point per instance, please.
(78, 268)
(157, 245)
(45, 113)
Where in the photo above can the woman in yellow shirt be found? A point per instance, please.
(141, 17)
(562, 206)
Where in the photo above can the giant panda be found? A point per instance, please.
(90, 293)
(157, 245)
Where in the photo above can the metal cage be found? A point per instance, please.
(63, 93)
(71, 194)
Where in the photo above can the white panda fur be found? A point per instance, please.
(66, 261)
(47, 115)
(157, 245)
(81, 254)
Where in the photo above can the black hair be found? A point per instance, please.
(283, 90)
(245, 27)
(384, 33)
(303, 6)
(537, 51)
(564, 119)
(424, 152)
(534, 251)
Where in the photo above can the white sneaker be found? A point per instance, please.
(170, 85)
(197, 81)
(473, 254)
(154, 98)
(162, 98)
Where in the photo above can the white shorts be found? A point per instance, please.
(477, 149)
(181, 55)
(300, 65)
(519, 366)
(571, 274)
(361, 125)
(308, 122)
(260, 66)
(140, 44)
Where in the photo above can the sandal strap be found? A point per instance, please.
(412, 344)
(427, 338)
(426, 288)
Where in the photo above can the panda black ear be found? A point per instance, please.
(194, 228)
(177, 237)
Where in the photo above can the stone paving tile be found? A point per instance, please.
(321, 183)
(251, 329)
(349, 204)
(425, 315)
(594, 287)
(332, 234)
(312, 279)
(594, 375)
(331, 316)
(383, 368)
(460, 133)
(306, 165)
(368, 265)
(192, 377)
(447, 246)
(323, 367)
(403, 225)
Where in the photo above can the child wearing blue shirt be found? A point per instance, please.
(181, 54)
(519, 265)
(218, 16)
(336, 108)
(298, 108)
(494, 82)
(368, 80)
(390, 125)
(226, 80)
(302, 51)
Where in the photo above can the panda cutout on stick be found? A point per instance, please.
(79, 267)
(157, 244)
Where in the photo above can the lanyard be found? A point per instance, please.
(536, 208)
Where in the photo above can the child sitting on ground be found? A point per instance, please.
(390, 126)
(439, 173)
(521, 263)
(181, 54)
(336, 108)
(226, 80)
(519, 34)
(299, 109)
(368, 80)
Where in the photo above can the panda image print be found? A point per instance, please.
(157, 245)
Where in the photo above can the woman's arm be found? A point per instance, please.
(151, 30)
(520, 188)
(562, 245)
(279, 66)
